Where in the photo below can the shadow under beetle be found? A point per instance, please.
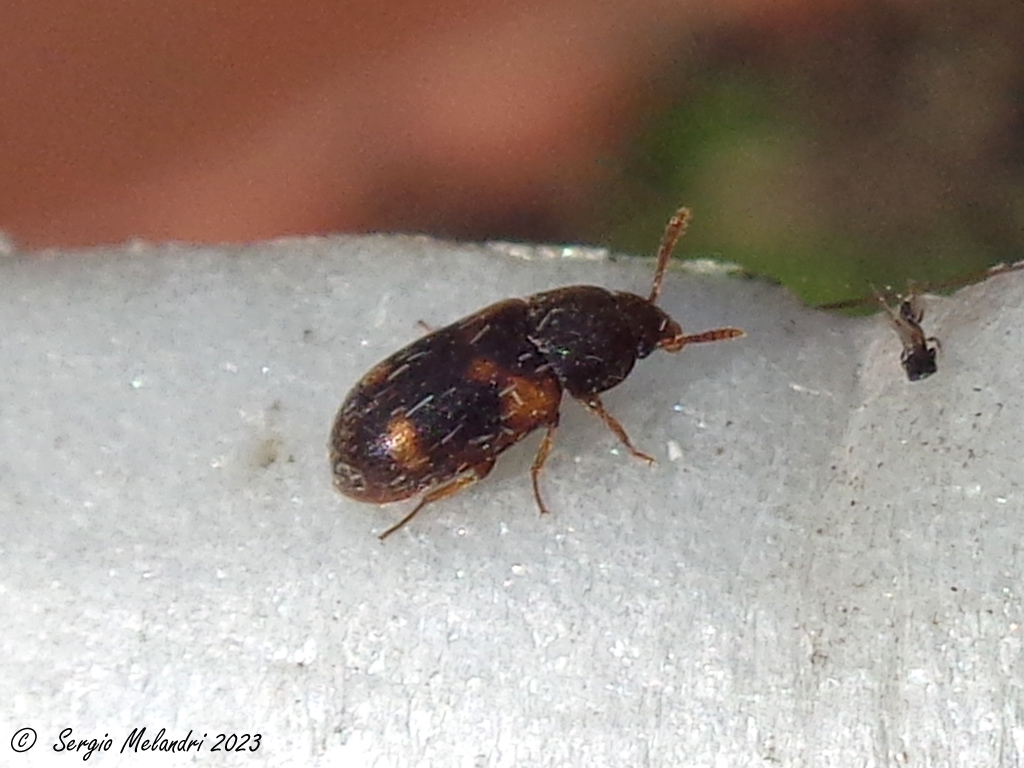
(435, 416)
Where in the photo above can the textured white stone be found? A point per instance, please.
(831, 575)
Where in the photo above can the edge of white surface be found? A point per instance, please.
(827, 571)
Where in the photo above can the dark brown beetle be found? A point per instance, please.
(435, 416)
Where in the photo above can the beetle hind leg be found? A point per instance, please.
(594, 404)
(443, 491)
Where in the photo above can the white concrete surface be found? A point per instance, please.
(824, 568)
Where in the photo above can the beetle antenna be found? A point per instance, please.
(676, 229)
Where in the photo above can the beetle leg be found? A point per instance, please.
(450, 488)
(593, 402)
(538, 464)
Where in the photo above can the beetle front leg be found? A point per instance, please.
(593, 403)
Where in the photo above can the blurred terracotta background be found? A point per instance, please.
(888, 123)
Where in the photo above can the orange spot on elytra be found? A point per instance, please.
(528, 403)
(402, 443)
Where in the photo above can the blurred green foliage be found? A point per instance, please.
(736, 148)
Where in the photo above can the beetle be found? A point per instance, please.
(433, 417)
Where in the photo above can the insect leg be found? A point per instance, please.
(593, 402)
(450, 488)
(538, 464)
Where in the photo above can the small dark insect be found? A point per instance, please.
(435, 416)
(917, 358)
